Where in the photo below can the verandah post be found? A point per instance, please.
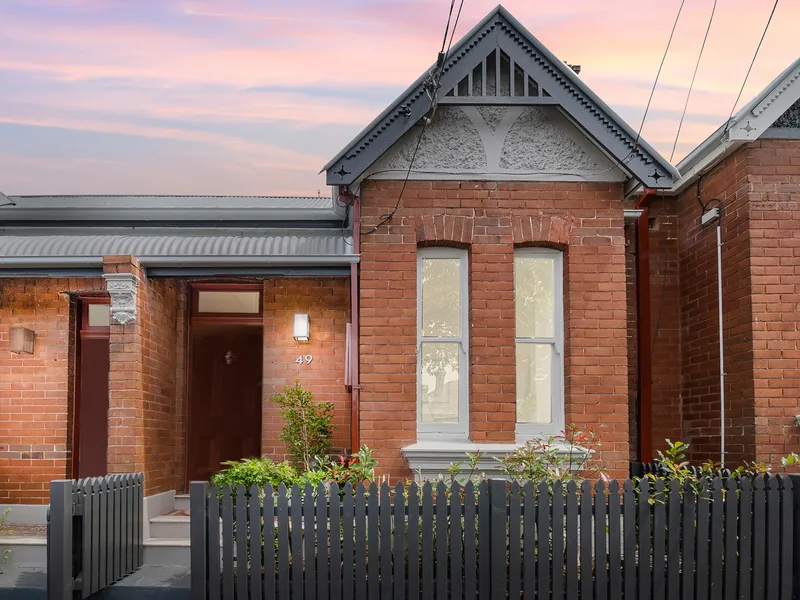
(198, 493)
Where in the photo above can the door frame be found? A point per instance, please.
(83, 331)
(194, 317)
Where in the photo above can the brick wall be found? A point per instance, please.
(773, 168)
(163, 376)
(35, 390)
(585, 220)
(327, 301)
(633, 340)
(665, 323)
(728, 184)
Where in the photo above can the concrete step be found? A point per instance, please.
(182, 502)
(24, 551)
(170, 527)
(167, 551)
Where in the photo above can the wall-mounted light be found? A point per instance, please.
(302, 327)
(21, 340)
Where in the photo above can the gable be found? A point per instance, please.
(773, 113)
(497, 143)
(499, 63)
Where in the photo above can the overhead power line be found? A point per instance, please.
(750, 68)
(435, 77)
(694, 75)
(658, 74)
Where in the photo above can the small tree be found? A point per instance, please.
(308, 428)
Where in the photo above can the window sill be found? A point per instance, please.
(428, 459)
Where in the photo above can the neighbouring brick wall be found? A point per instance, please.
(728, 184)
(586, 220)
(773, 168)
(665, 319)
(327, 301)
(36, 390)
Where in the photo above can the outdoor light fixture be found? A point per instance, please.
(21, 340)
(302, 327)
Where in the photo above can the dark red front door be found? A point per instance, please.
(90, 422)
(225, 396)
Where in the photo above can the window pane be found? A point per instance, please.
(228, 302)
(440, 382)
(534, 290)
(99, 315)
(441, 297)
(534, 382)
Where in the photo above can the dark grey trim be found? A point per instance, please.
(100, 209)
(248, 271)
(500, 30)
(117, 224)
(781, 133)
(501, 100)
(45, 272)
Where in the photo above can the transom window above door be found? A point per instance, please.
(226, 300)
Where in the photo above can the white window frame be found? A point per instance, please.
(446, 431)
(526, 431)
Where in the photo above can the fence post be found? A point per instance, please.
(795, 479)
(59, 543)
(198, 493)
(497, 538)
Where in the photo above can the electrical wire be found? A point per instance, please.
(388, 216)
(455, 26)
(752, 62)
(447, 27)
(658, 74)
(694, 75)
(435, 78)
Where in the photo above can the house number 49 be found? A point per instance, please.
(304, 359)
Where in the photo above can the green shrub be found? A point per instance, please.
(309, 425)
(255, 471)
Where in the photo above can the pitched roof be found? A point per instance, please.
(753, 121)
(501, 30)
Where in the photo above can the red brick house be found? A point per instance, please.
(489, 268)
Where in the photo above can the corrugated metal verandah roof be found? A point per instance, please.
(177, 247)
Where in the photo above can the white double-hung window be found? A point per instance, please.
(442, 344)
(539, 302)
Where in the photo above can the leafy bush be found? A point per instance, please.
(564, 458)
(255, 471)
(309, 425)
(358, 468)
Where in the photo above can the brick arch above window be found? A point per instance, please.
(542, 230)
(445, 230)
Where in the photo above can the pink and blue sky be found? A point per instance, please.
(253, 97)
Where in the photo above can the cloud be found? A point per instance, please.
(275, 86)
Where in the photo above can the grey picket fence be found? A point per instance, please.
(722, 539)
(94, 533)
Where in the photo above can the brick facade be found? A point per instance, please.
(36, 390)
(147, 379)
(327, 301)
(584, 220)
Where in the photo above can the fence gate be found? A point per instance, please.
(726, 539)
(94, 533)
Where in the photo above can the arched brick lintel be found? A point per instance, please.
(542, 230)
(444, 229)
